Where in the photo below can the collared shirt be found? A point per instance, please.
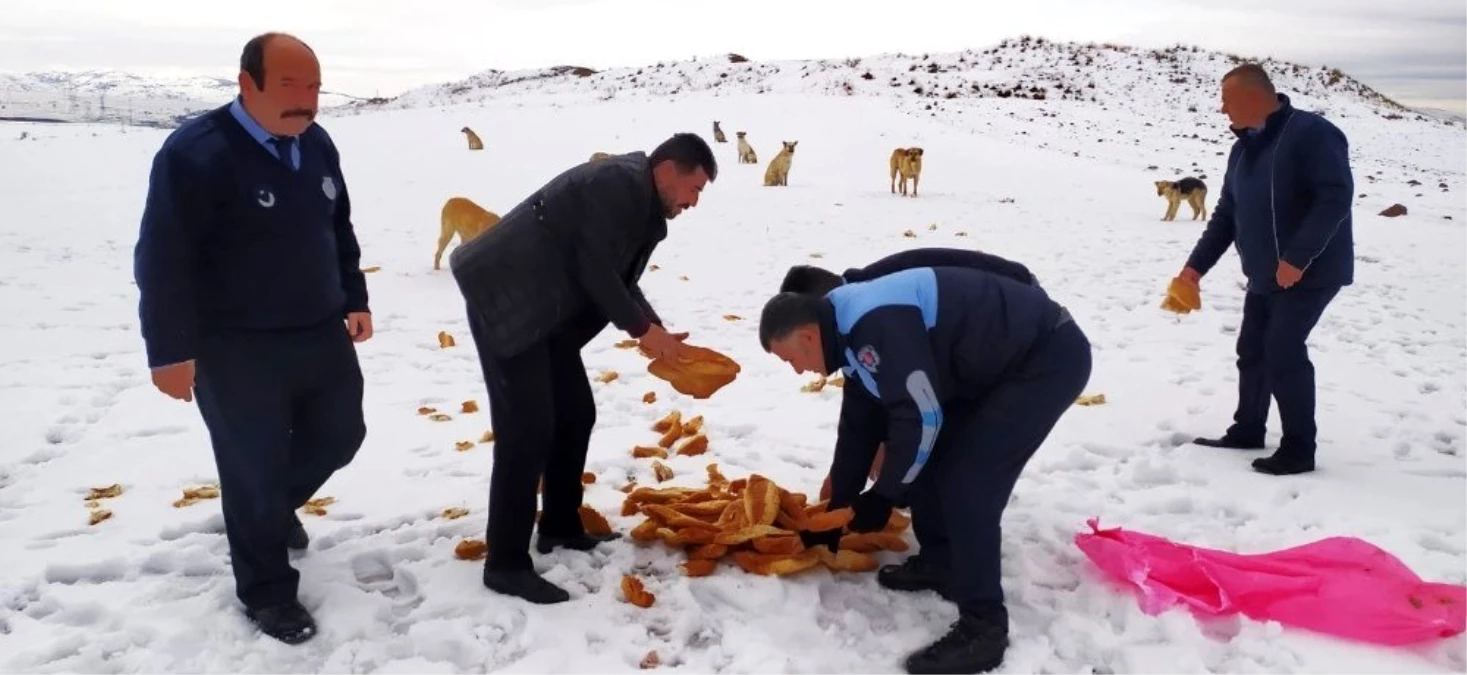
(264, 137)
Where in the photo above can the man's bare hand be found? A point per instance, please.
(359, 326)
(176, 380)
(658, 343)
(1288, 275)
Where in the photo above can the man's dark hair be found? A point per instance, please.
(786, 312)
(252, 57)
(810, 279)
(688, 151)
(1251, 74)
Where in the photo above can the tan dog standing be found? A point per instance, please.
(778, 173)
(746, 153)
(907, 163)
(1191, 189)
(718, 136)
(462, 216)
(475, 143)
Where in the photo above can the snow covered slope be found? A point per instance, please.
(1061, 185)
(110, 96)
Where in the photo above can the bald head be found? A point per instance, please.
(280, 82)
(1248, 96)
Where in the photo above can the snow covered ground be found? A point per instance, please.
(150, 590)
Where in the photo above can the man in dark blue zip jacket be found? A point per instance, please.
(963, 373)
(251, 296)
(1285, 207)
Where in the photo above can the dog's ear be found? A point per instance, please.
(917, 151)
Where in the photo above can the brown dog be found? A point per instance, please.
(474, 142)
(1191, 189)
(598, 156)
(463, 217)
(907, 163)
(778, 173)
(746, 151)
(718, 136)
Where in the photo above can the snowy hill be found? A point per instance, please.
(1062, 185)
(109, 96)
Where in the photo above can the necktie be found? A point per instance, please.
(283, 146)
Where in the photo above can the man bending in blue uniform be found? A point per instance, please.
(963, 373)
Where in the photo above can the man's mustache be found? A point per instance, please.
(298, 112)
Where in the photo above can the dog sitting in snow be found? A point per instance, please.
(463, 217)
(907, 163)
(474, 141)
(1191, 189)
(778, 173)
(746, 153)
(718, 136)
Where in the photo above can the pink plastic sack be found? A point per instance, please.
(1341, 586)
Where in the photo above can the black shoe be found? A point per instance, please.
(288, 622)
(295, 534)
(524, 584)
(1229, 443)
(914, 574)
(579, 542)
(1280, 464)
(973, 645)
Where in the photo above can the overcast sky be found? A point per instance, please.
(1414, 51)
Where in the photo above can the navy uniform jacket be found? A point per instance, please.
(234, 238)
(1287, 196)
(910, 343)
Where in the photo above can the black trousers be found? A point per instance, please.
(543, 411)
(1273, 362)
(959, 499)
(284, 412)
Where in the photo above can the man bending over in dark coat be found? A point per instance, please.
(540, 285)
(963, 373)
(819, 281)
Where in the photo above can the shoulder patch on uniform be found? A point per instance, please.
(328, 187)
(868, 358)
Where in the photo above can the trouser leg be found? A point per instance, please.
(990, 449)
(1250, 420)
(575, 417)
(328, 422)
(1292, 317)
(521, 407)
(243, 394)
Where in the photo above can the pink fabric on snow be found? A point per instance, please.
(1341, 586)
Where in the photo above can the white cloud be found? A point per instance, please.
(1412, 49)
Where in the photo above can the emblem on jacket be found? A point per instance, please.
(867, 358)
(265, 197)
(328, 187)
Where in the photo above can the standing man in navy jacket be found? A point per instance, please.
(251, 299)
(1285, 207)
(963, 373)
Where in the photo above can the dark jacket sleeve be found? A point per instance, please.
(348, 249)
(860, 432)
(608, 210)
(1220, 231)
(166, 257)
(1325, 165)
(942, 257)
(904, 378)
(641, 299)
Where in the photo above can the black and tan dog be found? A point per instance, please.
(1191, 189)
